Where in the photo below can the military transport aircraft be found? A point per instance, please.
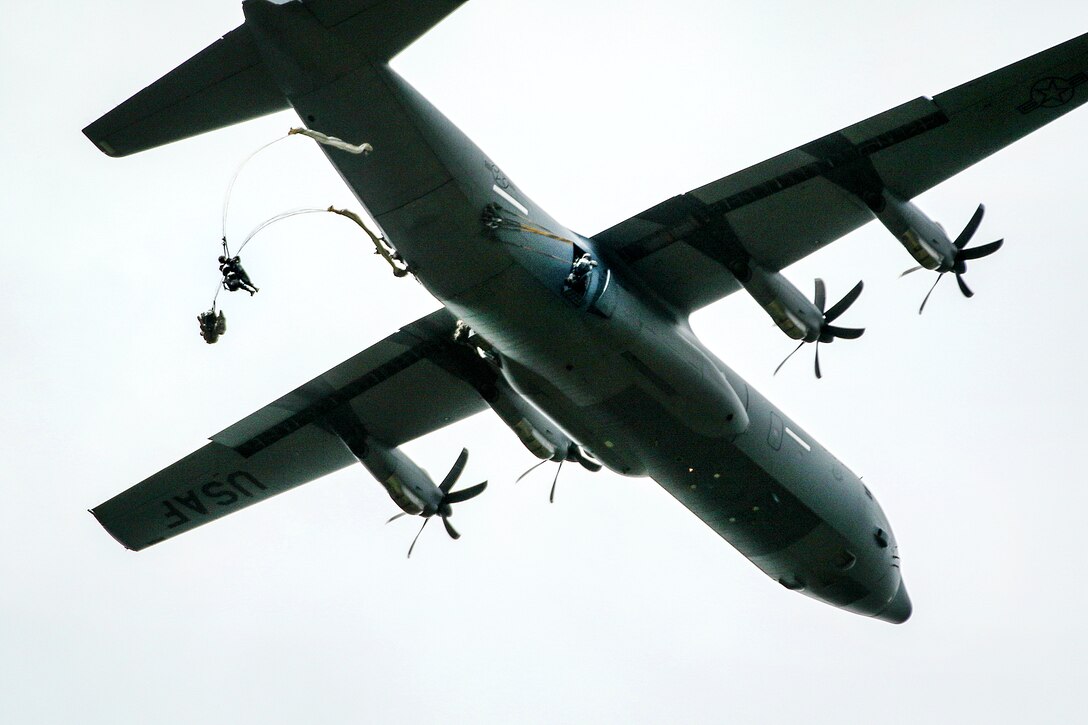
(581, 345)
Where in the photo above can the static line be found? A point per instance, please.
(521, 207)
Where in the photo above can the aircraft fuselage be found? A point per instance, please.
(609, 362)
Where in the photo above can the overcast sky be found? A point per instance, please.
(615, 604)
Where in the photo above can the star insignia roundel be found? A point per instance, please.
(1052, 92)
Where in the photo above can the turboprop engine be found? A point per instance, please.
(540, 435)
(410, 487)
(927, 241)
(794, 314)
(543, 438)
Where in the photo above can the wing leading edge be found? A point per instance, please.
(397, 388)
(783, 209)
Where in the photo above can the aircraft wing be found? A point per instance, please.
(787, 207)
(400, 388)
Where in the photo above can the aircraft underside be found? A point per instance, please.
(621, 375)
(581, 345)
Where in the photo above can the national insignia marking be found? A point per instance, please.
(1052, 92)
(500, 178)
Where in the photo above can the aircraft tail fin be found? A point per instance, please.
(224, 84)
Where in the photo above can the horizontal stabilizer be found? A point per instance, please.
(228, 82)
(224, 84)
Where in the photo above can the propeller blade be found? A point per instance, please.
(963, 286)
(455, 472)
(787, 358)
(818, 376)
(970, 229)
(978, 252)
(910, 271)
(551, 496)
(842, 305)
(930, 292)
(821, 295)
(531, 469)
(845, 333)
(417, 537)
(465, 494)
(450, 530)
(394, 518)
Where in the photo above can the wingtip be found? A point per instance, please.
(116, 538)
(102, 144)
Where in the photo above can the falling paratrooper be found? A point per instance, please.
(234, 276)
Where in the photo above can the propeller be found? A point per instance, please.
(829, 332)
(574, 453)
(449, 497)
(961, 256)
(551, 496)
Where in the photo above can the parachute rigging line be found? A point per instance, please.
(383, 247)
(259, 227)
(230, 186)
(363, 148)
(273, 220)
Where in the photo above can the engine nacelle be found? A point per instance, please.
(410, 487)
(407, 484)
(923, 238)
(541, 436)
(794, 313)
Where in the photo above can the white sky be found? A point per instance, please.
(615, 604)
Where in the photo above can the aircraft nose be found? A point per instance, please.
(899, 609)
